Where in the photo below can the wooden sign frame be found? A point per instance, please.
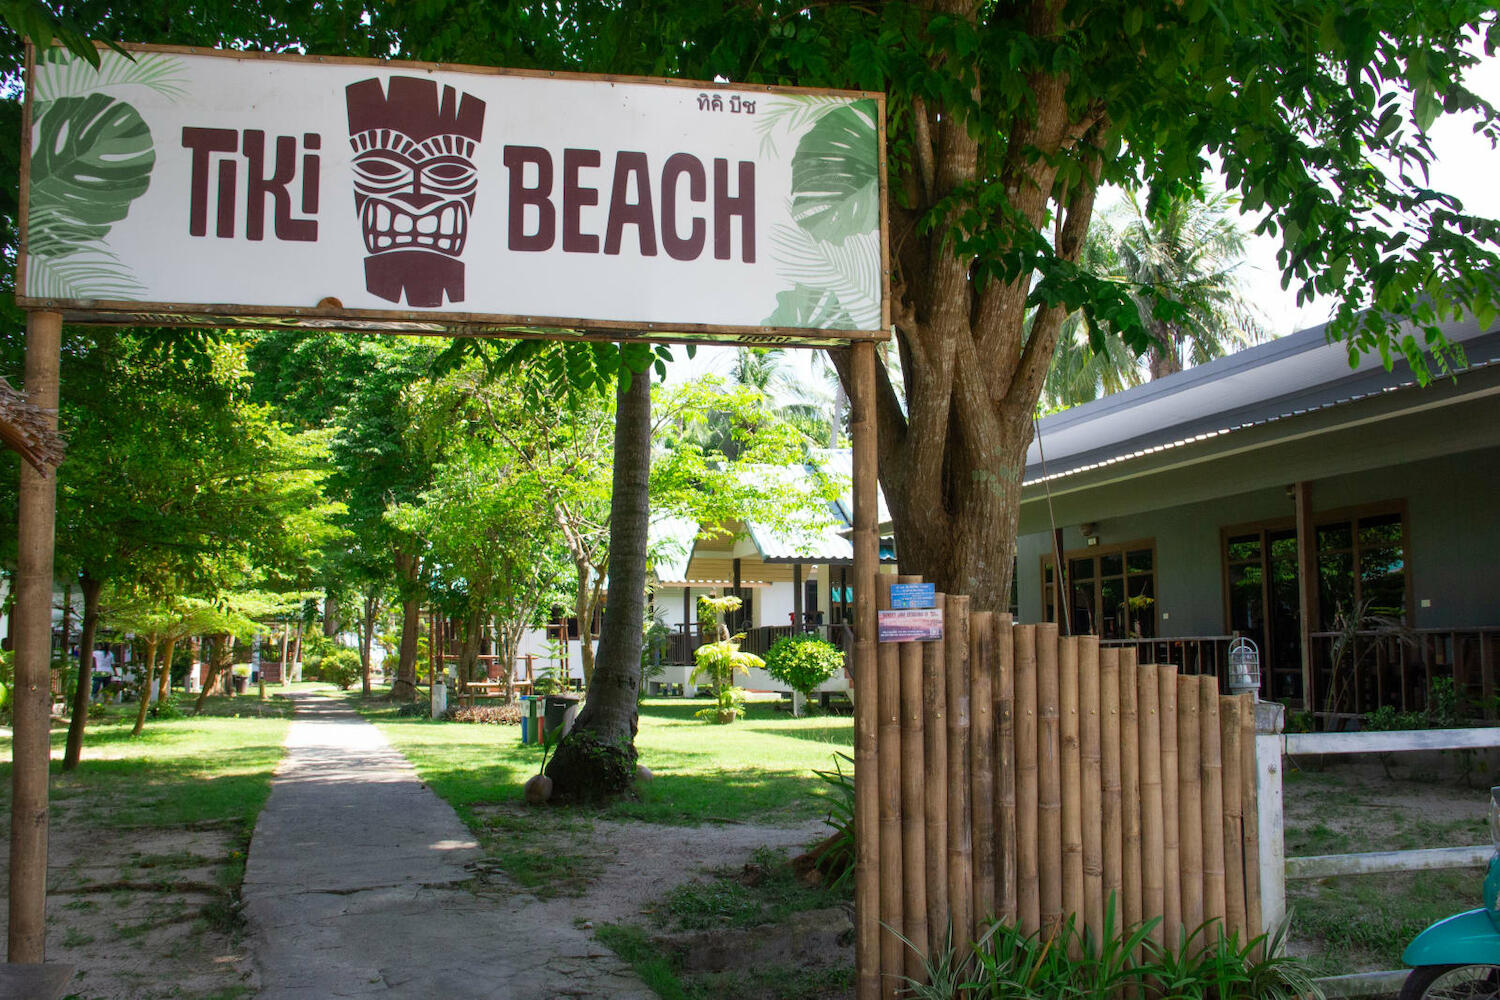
(331, 314)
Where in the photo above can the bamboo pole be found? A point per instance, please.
(913, 805)
(1230, 725)
(935, 770)
(1130, 787)
(1005, 770)
(866, 714)
(1049, 779)
(982, 753)
(1189, 804)
(960, 812)
(32, 629)
(1091, 779)
(1028, 902)
(1112, 825)
(1211, 763)
(1072, 779)
(1153, 870)
(1172, 878)
(888, 756)
(1250, 810)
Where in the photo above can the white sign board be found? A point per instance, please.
(186, 186)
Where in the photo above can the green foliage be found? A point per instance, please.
(802, 662)
(341, 667)
(93, 158)
(835, 857)
(1444, 710)
(166, 708)
(718, 662)
(714, 610)
(1120, 961)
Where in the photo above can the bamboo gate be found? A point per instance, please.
(1025, 776)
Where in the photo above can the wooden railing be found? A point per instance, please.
(1397, 666)
(682, 642)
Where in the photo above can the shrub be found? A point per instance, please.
(833, 857)
(341, 667)
(165, 708)
(1120, 961)
(802, 662)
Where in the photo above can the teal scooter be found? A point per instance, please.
(1460, 957)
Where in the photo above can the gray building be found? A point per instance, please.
(1282, 495)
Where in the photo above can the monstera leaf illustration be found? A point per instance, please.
(93, 157)
(835, 181)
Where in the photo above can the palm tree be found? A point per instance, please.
(1187, 250)
(598, 756)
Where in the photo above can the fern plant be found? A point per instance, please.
(718, 662)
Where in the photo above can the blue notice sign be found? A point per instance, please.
(913, 595)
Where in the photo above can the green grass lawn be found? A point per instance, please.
(758, 769)
(211, 769)
(1363, 922)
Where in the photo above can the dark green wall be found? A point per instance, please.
(1453, 524)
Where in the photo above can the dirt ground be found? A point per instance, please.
(142, 915)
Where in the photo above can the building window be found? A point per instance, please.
(1361, 557)
(1112, 591)
(1362, 568)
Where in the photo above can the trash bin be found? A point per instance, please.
(531, 719)
(561, 709)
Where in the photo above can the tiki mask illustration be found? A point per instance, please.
(414, 184)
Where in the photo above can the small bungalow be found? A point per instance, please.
(789, 580)
(1347, 520)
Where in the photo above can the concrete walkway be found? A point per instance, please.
(354, 887)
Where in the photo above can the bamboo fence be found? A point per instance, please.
(1029, 778)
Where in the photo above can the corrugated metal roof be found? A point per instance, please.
(671, 546)
(819, 540)
(1297, 374)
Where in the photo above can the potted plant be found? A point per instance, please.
(719, 662)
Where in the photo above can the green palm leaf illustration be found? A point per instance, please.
(809, 308)
(835, 182)
(86, 275)
(850, 270)
(93, 157)
(61, 74)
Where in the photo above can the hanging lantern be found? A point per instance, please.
(1244, 666)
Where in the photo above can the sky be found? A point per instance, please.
(1465, 167)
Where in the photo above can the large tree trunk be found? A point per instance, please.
(330, 616)
(404, 688)
(74, 752)
(371, 610)
(218, 662)
(1164, 362)
(468, 650)
(598, 757)
(164, 686)
(145, 695)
